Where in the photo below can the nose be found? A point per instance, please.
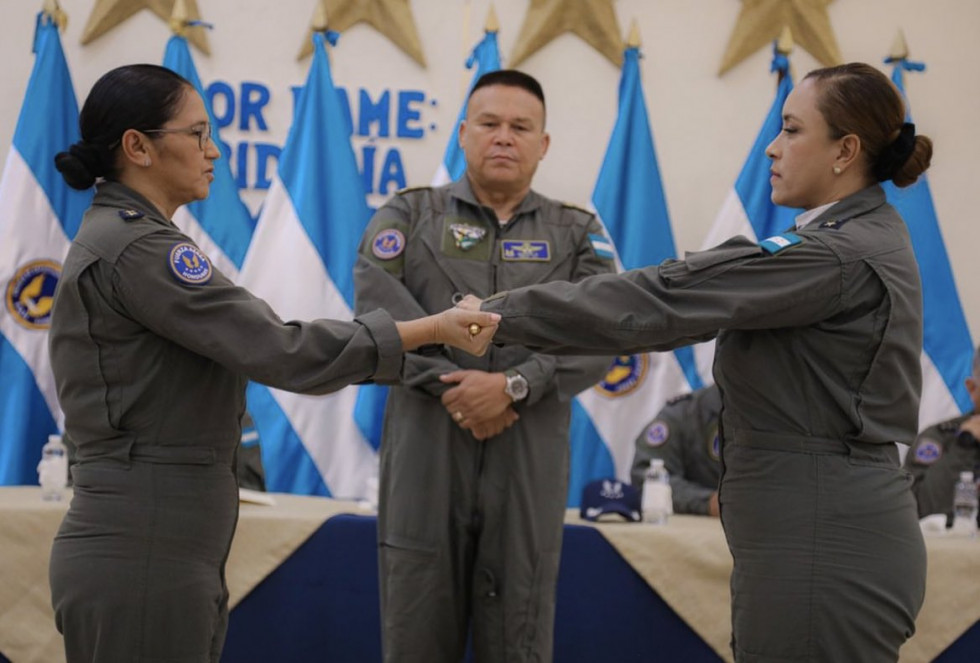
(771, 148)
(211, 150)
(504, 135)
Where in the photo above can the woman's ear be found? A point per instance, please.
(848, 151)
(136, 148)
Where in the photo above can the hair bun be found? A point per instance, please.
(80, 165)
(893, 157)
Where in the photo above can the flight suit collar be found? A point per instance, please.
(856, 204)
(461, 190)
(119, 196)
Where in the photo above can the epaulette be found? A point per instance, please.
(409, 189)
(680, 398)
(578, 208)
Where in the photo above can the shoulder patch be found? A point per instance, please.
(602, 246)
(927, 451)
(779, 243)
(657, 433)
(388, 244)
(188, 264)
(130, 214)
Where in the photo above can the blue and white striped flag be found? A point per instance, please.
(748, 209)
(39, 215)
(221, 223)
(947, 350)
(486, 57)
(629, 200)
(300, 261)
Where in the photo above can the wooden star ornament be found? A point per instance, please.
(762, 21)
(107, 14)
(392, 18)
(592, 20)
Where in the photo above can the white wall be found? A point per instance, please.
(703, 125)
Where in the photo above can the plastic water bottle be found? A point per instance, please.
(52, 471)
(965, 505)
(657, 497)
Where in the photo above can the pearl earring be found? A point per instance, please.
(146, 162)
(836, 170)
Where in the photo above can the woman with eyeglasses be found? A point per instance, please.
(151, 349)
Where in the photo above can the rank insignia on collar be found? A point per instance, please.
(130, 214)
(833, 223)
(465, 236)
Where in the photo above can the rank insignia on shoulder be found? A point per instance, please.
(778, 243)
(526, 250)
(833, 224)
(188, 264)
(602, 246)
(466, 236)
(130, 214)
(388, 244)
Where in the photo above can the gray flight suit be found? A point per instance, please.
(470, 531)
(685, 435)
(818, 364)
(935, 461)
(151, 359)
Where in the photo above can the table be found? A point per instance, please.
(303, 580)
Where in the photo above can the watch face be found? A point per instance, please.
(516, 387)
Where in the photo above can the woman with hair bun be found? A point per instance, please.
(819, 334)
(151, 348)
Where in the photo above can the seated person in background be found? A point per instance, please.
(685, 435)
(942, 451)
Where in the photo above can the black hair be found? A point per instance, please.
(510, 78)
(136, 96)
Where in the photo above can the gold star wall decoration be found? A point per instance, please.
(761, 21)
(107, 14)
(392, 18)
(592, 20)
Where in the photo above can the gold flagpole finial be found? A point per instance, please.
(900, 49)
(179, 17)
(493, 24)
(53, 10)
(633, 40)
(784, 45)
(319, 22)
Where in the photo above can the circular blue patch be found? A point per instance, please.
(928, 452)
(625, 374)
(30, 293)
(388, 244)
(714, 446)
(657, 433)
(189, 264)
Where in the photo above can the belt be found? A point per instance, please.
(789, 442)
(181, 455)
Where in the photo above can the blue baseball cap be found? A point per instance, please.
(610, 496)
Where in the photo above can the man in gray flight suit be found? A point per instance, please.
(475, 451)
(942, 451)
(685, 435)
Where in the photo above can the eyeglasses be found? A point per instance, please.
(203, 133)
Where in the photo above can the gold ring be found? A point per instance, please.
(475, 329)
(458, 416)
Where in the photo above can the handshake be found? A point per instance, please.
(465, 327)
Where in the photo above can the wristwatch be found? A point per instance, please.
(516, 386)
